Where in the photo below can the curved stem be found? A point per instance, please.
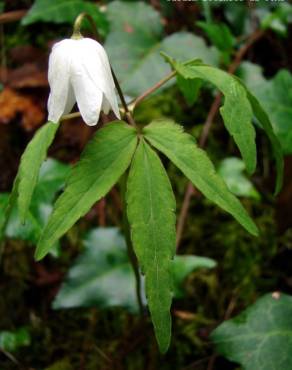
(78, 23)
(148, 92)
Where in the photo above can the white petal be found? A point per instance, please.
(71, 100)
(105, 105)
(89, 98)
(61, 99)
(94, 58)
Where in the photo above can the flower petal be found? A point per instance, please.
(96, 64)
(88, 96)
(105, 107)
(61, 99)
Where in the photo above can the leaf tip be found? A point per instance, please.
(163, 344)
(253, 229)
(39, 254)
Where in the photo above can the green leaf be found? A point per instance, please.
(190, 88)
(232, 171)
(64, 11)
(51, 180)
(275, 95)
(182, 150)
(60, 365)
(219, 34)
(31, 161)
(264, 120)
(10, 341)
(104, 160)
(135, 41)
(279, 19)
(236, 110)
(26, 179)
(261, 336)
(183, 265)
(150, 209)
(7, 202)
(251, 74)
(101, 276)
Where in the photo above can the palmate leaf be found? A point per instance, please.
(266, 99)
(30, 164)
(182, 150)
(52, 177)
(264, 120)
(236, 110)
(260, 337)
(103, 161)
(150, 209)
(27, 177)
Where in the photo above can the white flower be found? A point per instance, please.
(79, 70)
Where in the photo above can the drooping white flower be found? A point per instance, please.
(79, 70)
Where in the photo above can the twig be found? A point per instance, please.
(194, 365)
(148, 92)
(227, 315)
(190, 191)
(10, 356)
(184, 212)
(101, 212)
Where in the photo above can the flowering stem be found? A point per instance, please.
(148, 92)
(128, 113)
(78, 23)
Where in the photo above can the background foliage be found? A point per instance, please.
(79, 304)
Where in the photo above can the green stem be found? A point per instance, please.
(207, 11)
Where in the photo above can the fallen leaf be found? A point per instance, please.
(13, 104)
(28, 76)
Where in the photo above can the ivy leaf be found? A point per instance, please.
(150, 209)
(183, 265)
(182, 150)
(101, 276)
(232, 171)
(260, 337)
(135, 41)
(64, 11)
(102, 163)
(236, 110)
